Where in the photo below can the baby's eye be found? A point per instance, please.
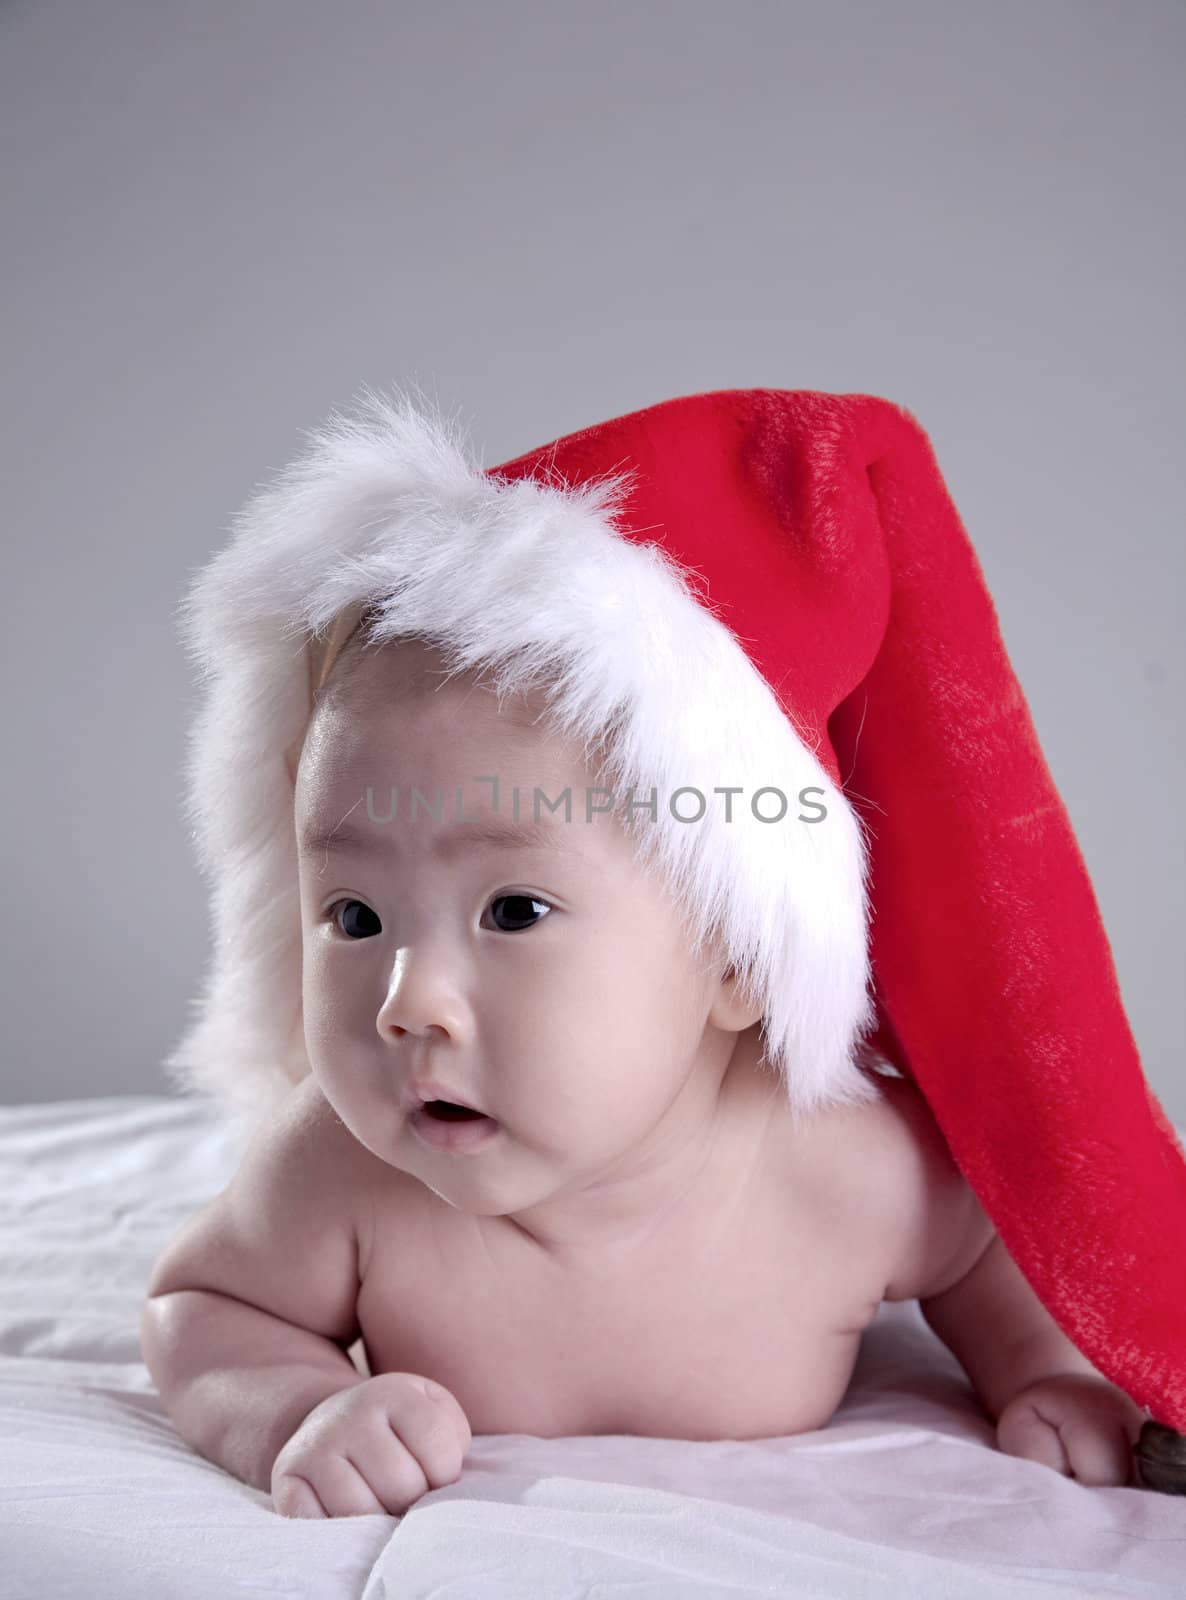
(363, 932)
(355, 920)
(519, 912)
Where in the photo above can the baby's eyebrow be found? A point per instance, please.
(486, 832)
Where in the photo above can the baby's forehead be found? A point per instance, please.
(451, 731)
(403, 721)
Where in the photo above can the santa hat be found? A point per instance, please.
(758, 591)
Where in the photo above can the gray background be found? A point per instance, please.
(220, 220)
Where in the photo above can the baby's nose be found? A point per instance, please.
(422, 998)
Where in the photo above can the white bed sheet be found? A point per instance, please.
(902, 1494)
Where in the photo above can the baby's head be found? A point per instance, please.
(548, 982)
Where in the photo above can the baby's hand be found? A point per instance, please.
(1082, 1426)
(375, 1447)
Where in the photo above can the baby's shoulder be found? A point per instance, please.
(292, 1203)
(936, 1226)
(884, 1169)
(841, 1153)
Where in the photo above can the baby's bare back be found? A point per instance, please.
(742, 1321)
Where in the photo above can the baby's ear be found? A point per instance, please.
(732, 1009)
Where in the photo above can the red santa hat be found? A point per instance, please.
(760, 591)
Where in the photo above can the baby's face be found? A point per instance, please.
(549, 984)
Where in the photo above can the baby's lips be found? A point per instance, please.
(421, 1090)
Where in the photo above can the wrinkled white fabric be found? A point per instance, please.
(904, 1493)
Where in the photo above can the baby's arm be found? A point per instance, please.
(1001, 1333)
(1048, 1402)
(251, 1307)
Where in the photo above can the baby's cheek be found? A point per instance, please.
(343, 1048)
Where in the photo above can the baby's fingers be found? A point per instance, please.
(435, 1431)
(390, 1469)
(1099, 1451)
(1022, 1432)
(340, 1485)
(296, 1497)
(1093, 1449)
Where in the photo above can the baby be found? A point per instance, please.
(540, 1167)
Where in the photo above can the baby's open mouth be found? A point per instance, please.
(446, 1111)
